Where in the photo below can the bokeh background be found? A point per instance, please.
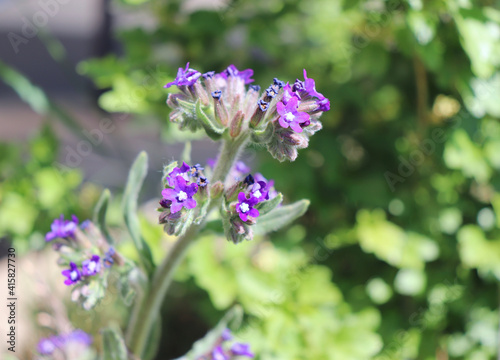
(398, 256)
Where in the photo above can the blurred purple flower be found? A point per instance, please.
(61, 228)
(185, 77)
(91, 266)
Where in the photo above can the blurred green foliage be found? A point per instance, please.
(398, 256)
(34, 190)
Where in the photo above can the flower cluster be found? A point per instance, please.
(182, 186)
(224, 350)
(282, 117)
(74, 342)
(87, 254)
(246, 200)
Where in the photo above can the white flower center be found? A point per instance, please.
(244, 207)
(182, 196)
(257, 194)
(92, 266)
(73, 275)
(289, 117)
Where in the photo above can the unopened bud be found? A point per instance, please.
(220, 110)
(236, 124)
(216, 190)
(201, 93)
(259, 113)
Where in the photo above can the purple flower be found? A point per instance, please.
(226, 335)
(185, 77)
(181, 195)
(269, 185)
(323, 104)
(218, 354)
(233, 71)
(61, 228)
(260, 191)
(108, 257)
(288, 94)
(240, 349)
(211, 162)
(79, 336)
(46, 346)
(73, 274)
(241, 167)
(245, 207)
(290, 116)
(177, 172)
(91, 266)
(195, 170)
(202, 181)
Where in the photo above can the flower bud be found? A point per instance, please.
(236, 124)
(216, 190)
(220, 110)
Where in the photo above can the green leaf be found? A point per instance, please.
(232, 318)
(212, 128)
(202, 213)
(265, 207)
(113, 345)
(280, 217)
(100, 214)
(129, 207)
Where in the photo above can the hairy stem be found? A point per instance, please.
(147, 308)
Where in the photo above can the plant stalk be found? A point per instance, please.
(147, 308)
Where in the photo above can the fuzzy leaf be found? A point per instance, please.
(113, 345)
(201, 347)
(265, 207)
(129, 207)
(185, 223)
(203, 213)
(211, 127)
(280, 217)
(100, 211)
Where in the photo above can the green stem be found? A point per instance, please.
(147, 308)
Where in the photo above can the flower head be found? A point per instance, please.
(241, 349)
(291, 117)
(245, 75)
(181, 195)
(73, 274)
(61, 228)
(288, 94)
(78, 336)
(269, 185)
(245, 207)
(260, 191)
(46, 346)
(218, 354)
(185, 77)
(91, 266)
(178, 171)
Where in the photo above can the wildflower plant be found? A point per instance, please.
(235, 113)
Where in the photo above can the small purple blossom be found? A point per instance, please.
(185, 77)
(241, 167)
(178, 171)
(78, 336)
(263, 105)
(91, 266)
(202, 181)
(323, 104)
(195, 170)
(218, 354)
(181, 195)
(241, 349)
(108, 260)
(47, 346)
(208, 75)
(288, 94)
(290, 116)
(61, 228)
(245, 75)
(226, 335)
(73, 274)
(269, 185)
(245, 207)
(260, 191)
